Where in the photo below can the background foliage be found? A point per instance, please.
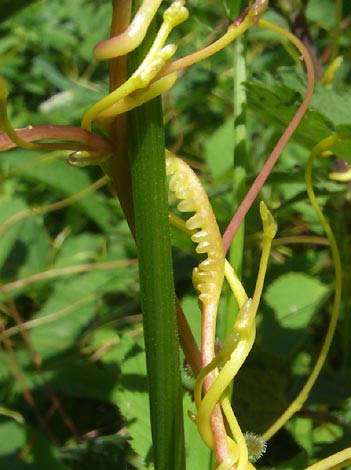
(86, 326)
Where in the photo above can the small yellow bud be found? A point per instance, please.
(177, 13)
(151, 69)
(270, 226)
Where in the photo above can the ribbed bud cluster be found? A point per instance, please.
(208, 276)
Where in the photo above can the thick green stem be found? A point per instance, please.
(146, 149)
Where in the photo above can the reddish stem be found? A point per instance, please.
(271, 161)
(208, 330)
(81, 138)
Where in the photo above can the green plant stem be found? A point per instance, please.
(239, 171)
(335, 37)
(146, 150)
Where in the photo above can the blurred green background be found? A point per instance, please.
(78, 295)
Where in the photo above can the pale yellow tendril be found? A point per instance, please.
(5, 124)
(155, 60)
(234, 352)
(299, 401)
(132, 37)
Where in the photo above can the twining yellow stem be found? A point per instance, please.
(235, 284)
(155, 60)
(343, 177)
(243, 458)
(129, 98)
(5, 124)
(235, 351)
(299, 401)
(208, 276)
(133, 36)
(139, 97)
(333, 462)
(235, 30)
(238, 449)
(243, 331)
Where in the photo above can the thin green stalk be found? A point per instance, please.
(146, 148)
(303, 395)
(239, 171)
(335, 37)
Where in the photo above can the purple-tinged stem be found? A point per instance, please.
(79, 138)
(272, 159)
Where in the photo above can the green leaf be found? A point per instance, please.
(259, 395)
(322, 13)
(71, 308)
(25, 244)
(79, 249)
(133, 402)
(190, 305)
(294, 299)
(333, 387)
(297, 462)
(80, 378)
(11, 7)
(12, 436)
(101, 453)
(219, 149)
(64, 180)
(276, 99)
(301, 429)
(9, 233)
(108, 341)
(53, 75)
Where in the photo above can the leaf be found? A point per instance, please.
(190, 305)
(299, 461)
(101, 453)
(108, 342)
(219, 149)
(59, 177)
(24, 245)
(133, 402)
(11, 7)
(322, 13)
(71, 308)
(12, 436)
(41, 453)
(259, 395)
(276, 102)
(79, 249)
(80, 378)
(333, 387)
(9, 233)
(53, 75)
(294, 298)
(301, 429)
